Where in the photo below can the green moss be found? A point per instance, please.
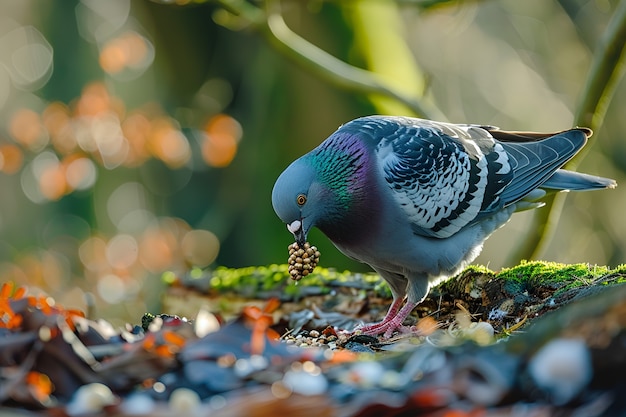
(251, 281)
(274, 279)
(621, 269)
(552, 271)
(477, 269)
(562, 276)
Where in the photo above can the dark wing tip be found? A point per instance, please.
(523, 136)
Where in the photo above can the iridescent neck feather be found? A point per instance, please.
(341, 165)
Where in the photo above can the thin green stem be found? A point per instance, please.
(607, 69)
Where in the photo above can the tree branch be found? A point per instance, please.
(607, 69)
(314, 59)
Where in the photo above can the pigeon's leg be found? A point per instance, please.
(396, 322)
(417, 288)
(373, 328)
(398, 285)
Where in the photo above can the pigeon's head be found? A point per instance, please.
(299, 198)
(329, 188)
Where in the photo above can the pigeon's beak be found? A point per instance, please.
(296, 229)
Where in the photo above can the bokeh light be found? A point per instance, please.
(158, 249)
(26, 129)
(86, 160)
(200, 247)
(221, 138)
(52, 182)
(127, 55)
(111, 288)
(27, 57)
(80, 172)
(98, 20)
(121, 252)
(70, 141)
(168, 144)
(92, 254)
(11, 158)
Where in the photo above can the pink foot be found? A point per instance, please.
(392, 321)
(372, 328)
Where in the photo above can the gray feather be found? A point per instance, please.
(577, 181)
(534, 163)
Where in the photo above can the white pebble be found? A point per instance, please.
(562, 368)
(185, 401)
(481, 332)
(138, 404)
(305, 383)
(367, 374)
(90, 398)
(392, 379)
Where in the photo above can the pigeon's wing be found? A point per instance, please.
(560, 146)
(445, 176)
(534, 163)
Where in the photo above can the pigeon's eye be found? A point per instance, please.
(301, 199)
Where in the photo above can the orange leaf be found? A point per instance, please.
(271, 305)
(77, 313)
(148, 342)
(342, 356)
(433, 397)
(19, 293)
(173, 338)
(164, 351)
(252, 312)
(39, 385)
(257, 342)
(427, 326)
(264, 322)
(6, 290)
(272, 334)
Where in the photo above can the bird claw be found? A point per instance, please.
(385, 328)
(392, 321)
(372, 329)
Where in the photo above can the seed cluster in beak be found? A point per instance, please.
(302, 261)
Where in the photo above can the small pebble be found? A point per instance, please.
(138, 404)
(562, 368)
(481, 332)
(366, 374)
(305, 383)
(90, 398)
(185, 401)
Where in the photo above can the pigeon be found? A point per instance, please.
(416, 199)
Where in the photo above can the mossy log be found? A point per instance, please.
(508, 299)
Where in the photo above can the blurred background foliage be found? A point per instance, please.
(138, 137)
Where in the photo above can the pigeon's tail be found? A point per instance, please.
(576, 181)
(537, 165)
